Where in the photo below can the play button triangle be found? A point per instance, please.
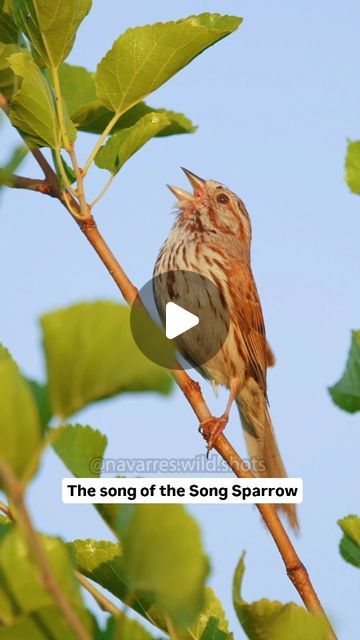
(178, 320)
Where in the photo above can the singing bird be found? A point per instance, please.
(211, 236)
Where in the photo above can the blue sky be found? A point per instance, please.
(275, 104)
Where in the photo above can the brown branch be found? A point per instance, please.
(192, 391)
(31, 184)
(15, 491)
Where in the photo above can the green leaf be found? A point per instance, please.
(78, 447)
(142, 59)
(352, 166)
(179, 123)
(44, 624)
(40, 394)
(102, 562)
(122, 145)
(124, 628)
(20, 574)
(19, 418)
(91, 355)
(211, 623)
(5, 526)
(94, 117)
(51, 26)
(162, 554)
(77, 86)
(272, 620)
(346, 392)
(89, 114)
(6, 172)
(32, 110)
(8, 80)
(350, 542)
(9, 33)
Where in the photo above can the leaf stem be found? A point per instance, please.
(15, 491)
(64, 134)
(59, 163)
(103, 191)
(79, 175)
(100, 141)
(60, 107)
(104, 603)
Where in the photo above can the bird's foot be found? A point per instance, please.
(211, 429)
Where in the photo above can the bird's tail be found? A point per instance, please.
(262, 448)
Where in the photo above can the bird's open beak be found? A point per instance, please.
(180, 194)
(196, 182)
(184, 196)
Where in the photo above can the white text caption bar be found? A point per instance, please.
(182, 490)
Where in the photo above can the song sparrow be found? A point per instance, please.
(212, 236)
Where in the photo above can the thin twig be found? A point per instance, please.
(192, 391)
(15, 491)
(5, 509)
(104, 603)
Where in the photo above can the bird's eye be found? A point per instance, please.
(222, 198)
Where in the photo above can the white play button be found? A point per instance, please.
(178, 320)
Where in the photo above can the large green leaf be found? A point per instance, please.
(20, 429)
(142, 59)
(350, 542)
(94, 117)
(122, 145)
(32, 109)
(346, 392)
(21, 584)
(352, 166)
(51, 26)
(102, 562)
(80, 448)
(77, 86)
(272, 620)
(91, 355)
(162, 554)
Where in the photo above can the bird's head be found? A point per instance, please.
(212, 206)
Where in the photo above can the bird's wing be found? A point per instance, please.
(251, 323)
